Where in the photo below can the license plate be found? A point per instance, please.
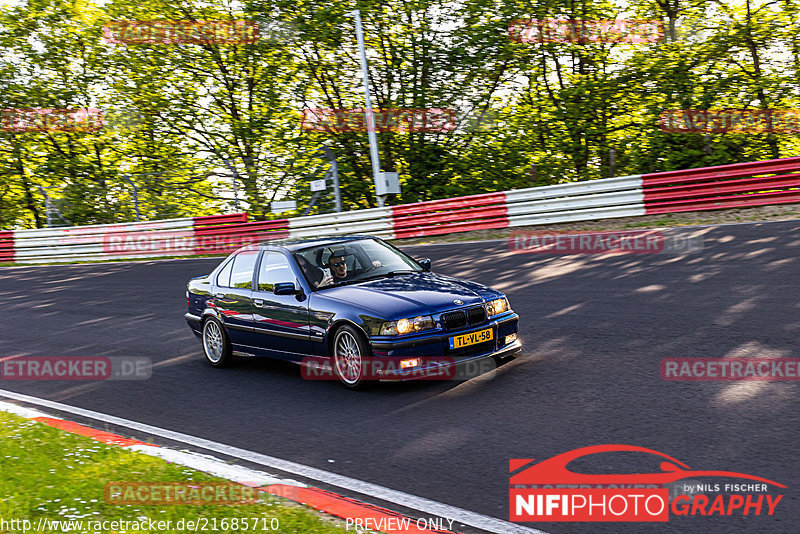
(472, 338)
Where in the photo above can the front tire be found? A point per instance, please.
(349, 351)
(216, 346)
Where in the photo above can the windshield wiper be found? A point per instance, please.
(395, 273)
(390, 274)
(348, 282)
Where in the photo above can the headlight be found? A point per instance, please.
(497, 306)
(406, 326)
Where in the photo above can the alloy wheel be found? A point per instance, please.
(213, 342)
(347, 356)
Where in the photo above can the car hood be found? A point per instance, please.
(413, 294)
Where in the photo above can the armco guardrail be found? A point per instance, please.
(446, 216)
(225, 238)
(6, 246)
(214, 220)
(580, 201)
(756, 183)
(96, 241)
(374, 221)
(598, 199)
(170, 237)
(741, 184)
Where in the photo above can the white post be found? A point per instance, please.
(373, 139)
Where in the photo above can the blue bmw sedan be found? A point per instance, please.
(355, 306)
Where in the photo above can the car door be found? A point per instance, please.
(280, 321)
(232, 298)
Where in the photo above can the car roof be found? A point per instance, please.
(321, 241)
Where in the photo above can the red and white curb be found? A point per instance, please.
(319, 499)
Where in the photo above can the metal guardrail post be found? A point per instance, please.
(335, 174)
(48, 207)
(235, 187)
(612, 162)
(135, 195)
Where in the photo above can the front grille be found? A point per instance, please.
(476, 315)
(455, 319)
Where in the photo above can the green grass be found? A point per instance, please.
(48, 473)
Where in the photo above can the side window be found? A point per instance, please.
(224, 276)
(274, 268)
(243, 265)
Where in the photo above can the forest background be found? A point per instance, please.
(527, 113)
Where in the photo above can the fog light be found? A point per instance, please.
(412, 362)
(511, 338)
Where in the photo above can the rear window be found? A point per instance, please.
(239, 271)
(224, 276)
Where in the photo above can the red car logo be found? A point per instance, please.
(554, 470)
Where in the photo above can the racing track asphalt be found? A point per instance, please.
(594, 328)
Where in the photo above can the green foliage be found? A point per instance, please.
(176, 112)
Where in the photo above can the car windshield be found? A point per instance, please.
(353, 261)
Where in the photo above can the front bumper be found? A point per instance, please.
(438, 360)
(451, 369)
(435, 342)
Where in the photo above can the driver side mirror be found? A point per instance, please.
(285, 288)
(425, 263)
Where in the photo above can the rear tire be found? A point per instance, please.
(216, 346)
(349, 350)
